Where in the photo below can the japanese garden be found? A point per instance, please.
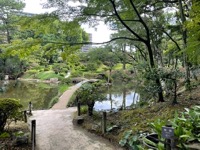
(139, 90)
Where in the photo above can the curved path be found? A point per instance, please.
(55, 131)
(65, 97)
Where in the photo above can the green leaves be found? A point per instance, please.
(193, 28)
(125, 138)
(8, 109)
(130, 140)
(89, 92)
(157, 126)
(186, 126)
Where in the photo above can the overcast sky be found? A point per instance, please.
(101, 35)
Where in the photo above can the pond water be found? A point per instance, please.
(118, 98)
(40, 94)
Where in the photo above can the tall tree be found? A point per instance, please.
(126, 13)
(9, 10)
(193, 28)
(8, 18)
(48, 37)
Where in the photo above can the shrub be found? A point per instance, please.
(84, 109)
(53, 101)
(90, 75)
(9, 108)
(66, 81)
(4, 135)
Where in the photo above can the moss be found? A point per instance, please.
(4, 135)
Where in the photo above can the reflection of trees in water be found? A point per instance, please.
(40, 94)
(120, 90)
(124, 99)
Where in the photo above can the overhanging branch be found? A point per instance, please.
(92, 43)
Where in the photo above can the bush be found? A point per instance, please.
(9, 108)
(4, 135)
(53, 101)
(90, 75)
(91, 66)
(66, 81)
(84, 109)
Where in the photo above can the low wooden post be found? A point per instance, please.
(103, 123)
(33, 133)
(30, 108)
(79, 108)
(25, 116)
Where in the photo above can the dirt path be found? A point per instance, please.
(55, 131)
(65, 97)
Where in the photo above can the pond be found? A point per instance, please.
(118, 97)
(40, 94)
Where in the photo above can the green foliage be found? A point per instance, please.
(122, 75)
(59, 67)
(186, 127)
(91, 66)
(89, 75)
(84, 109)
(66, 81)
(63, 88)
(157, 127)
(4, 135)
(8, 110)
(130, 140)
(53, 101)
(48, 75)
(193, 28)
(88, 93)
(12, 66)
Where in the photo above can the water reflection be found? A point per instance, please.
(40, 94)
(118, 99)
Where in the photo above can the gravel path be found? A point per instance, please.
(55, 131)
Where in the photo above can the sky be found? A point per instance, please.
(102, 33)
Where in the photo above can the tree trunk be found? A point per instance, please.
(124, 99)
(110, 98)
(184, 35)
(109, 76)
(124, 56)
(152, 65)
(90, 107)
(175, 93)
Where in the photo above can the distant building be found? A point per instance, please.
(87, 47)
(20, 13)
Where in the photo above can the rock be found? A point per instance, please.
(194, 146)
(20, 139)
(78, 120)
(95, 127)
(54, 80)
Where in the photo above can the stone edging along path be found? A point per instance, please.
(55, 130)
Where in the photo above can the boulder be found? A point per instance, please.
(20, 138)
(78, 120)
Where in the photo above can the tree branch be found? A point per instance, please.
(141, 20)
(171, 39)
(93, 43)
(141, 52)
(125, 25)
